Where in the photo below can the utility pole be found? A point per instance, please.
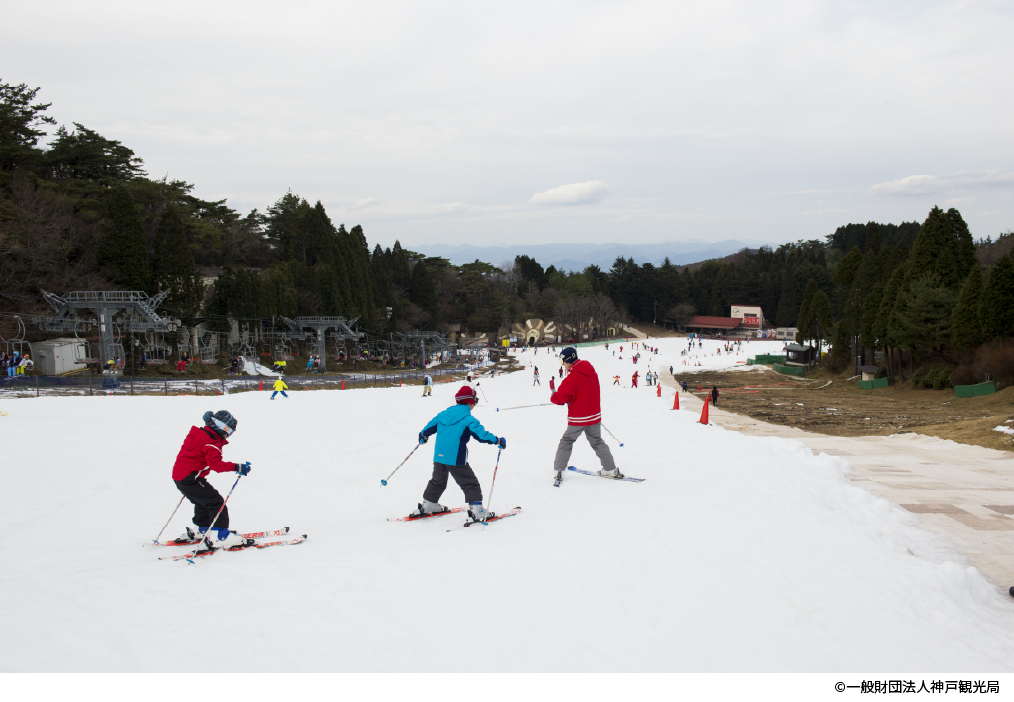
(654, 305)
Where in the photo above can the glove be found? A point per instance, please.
(423, 438)
(243, 468)
(501, 442)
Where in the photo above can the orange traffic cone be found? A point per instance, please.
(676, 400)
(262, 384)
(658, 391)
(704, 413)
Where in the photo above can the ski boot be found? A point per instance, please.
(614, 473)
(478, 513)
(427, 507)
(224, 538)
(192, 533)
(558, 479)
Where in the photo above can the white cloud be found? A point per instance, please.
(572, 194)
(363, 204)
(450, 208)
(962, 181)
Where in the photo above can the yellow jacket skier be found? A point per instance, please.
(280, 387)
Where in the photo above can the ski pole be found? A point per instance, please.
(155, 540)
(491, 486)
(384, 482)
(479, 385)
(612, 435)
(240, 475)
(544, 404)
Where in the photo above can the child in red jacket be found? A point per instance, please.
(200, 454)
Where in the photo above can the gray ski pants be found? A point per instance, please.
(594, 434)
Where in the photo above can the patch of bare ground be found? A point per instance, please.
(836, 406)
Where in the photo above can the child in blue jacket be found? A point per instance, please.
(454, 427)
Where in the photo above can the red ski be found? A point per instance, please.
(413, 518)
(252, 535)
(510, 513)
(209, 551)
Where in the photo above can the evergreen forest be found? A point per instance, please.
(922, 299)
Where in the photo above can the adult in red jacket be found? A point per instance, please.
(200, 454)
(580, 392)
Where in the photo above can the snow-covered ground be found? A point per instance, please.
(737, 553)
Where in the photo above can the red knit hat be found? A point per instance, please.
(465, 395)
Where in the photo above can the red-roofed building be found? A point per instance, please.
(705, 323)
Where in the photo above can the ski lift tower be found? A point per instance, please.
(104, 305)
(321, 325)
(436, 340)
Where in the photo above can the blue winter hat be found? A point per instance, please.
(569, 355)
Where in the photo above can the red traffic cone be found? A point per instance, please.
(698, 386)
(399, 383)
(262, 384)
(704, 413)
(343, 384)
(676, 400)
(658, 391)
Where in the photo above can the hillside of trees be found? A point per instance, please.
(79, 212)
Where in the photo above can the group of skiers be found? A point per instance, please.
(14, 363)
(201, 452)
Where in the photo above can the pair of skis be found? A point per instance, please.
(559, 476)
(254, 541)
(417, 517)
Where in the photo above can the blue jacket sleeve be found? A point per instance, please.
(430, 429)
(479, 432)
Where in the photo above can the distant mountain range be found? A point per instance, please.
(576, 257)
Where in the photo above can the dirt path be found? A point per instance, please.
(962, 491)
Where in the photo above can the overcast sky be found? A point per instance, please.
(492, 123)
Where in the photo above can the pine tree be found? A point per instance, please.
(925, 317)
(805, 317)
(998, 301)
(935, 252)
(787, 308)
(124, 246)
(173, 269)
(422, 289)
(966, 326)
(964, 246)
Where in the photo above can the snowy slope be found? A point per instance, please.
(736, 554)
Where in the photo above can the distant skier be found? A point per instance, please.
(200, 454)
(454, 427)
(280, 387)
(580, 392)
(427, 385)
(633, 379)
(552, 384)
(714, 395)
(616, 380)
(561, 371)
(536, 381)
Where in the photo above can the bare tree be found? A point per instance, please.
(680, 314)
(505, 278)
(602, 312)
(572, 313)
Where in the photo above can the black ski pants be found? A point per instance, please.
(206, 499)
(462, 475)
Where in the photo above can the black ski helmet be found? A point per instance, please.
(218, 422)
